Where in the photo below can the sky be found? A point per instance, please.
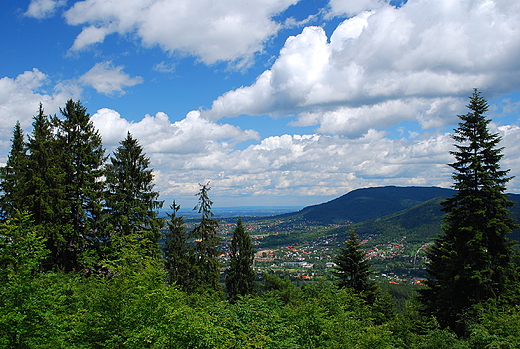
(274, 102)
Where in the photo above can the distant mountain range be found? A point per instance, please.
(390, 211)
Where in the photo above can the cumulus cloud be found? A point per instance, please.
(20, 97)
(44, 8)
(386, 66)
(189, 136)
(107, 79)
(226, 30)
(313, 165)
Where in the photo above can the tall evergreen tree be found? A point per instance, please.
(83, 161)
(130, 200)
(471, 262)
(241, 277)
(206, 266)
(176, 252)
(45, 194)
(12, 182)
(353, 268)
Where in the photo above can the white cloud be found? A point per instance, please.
(191, 136)
(44, 8)
(107, 79)
(283, 167)
(353, 7)
(21, 96)
(88, 36)
(310, 167)
(386, 66)
(225, 30)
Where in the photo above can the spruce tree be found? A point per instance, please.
(470, 263)
(83, 161)
(176, 252)
(44, 189)
(130, 201)
(205, 269)
(12, 182)
(241, 277)
(353, 268)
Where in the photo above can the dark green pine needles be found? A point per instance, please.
(471, 262)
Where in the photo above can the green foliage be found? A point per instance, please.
(12, 180)
(130, 200)
(205, 268)
(471, 262)
(241, 277)
(282, 289)
(496, 328)
(83, 158)
(21, 306)
(45, 190)
(353, 267)
(176, 252)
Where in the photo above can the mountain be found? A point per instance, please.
(369, 203)
(383, 213)
(418, 223)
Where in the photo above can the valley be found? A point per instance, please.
(395, 225)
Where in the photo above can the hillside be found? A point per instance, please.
(386, 212)
(369, 203)
(419, 223)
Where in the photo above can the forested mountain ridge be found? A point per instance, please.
(368, 203)
(387, 212)
(421, 222)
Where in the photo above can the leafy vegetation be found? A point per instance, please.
(80, 264)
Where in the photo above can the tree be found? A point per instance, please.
(21, 251)
(241, 277)
(83, 161)
(206, 267)
(470, 263)
(352, 266)
(12, 182)
(353, 272)
(176, 252)
(130, 200)
(45, 195)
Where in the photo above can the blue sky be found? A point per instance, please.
(276, 102)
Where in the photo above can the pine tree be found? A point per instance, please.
(470, 263)
(12, 182)
(176, 252)
(353, 268)
(241, 277)
(44, 189)
(130, 200)
(206, 266)
(83, 161)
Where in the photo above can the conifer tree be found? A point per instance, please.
(176, 252)
(12, 182)
(241, 277)
(44, 189)
(130, 200)
(353, 268)
(470, 263)
(83, 161)
(206, 266)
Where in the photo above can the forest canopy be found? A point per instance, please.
(86, 261)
